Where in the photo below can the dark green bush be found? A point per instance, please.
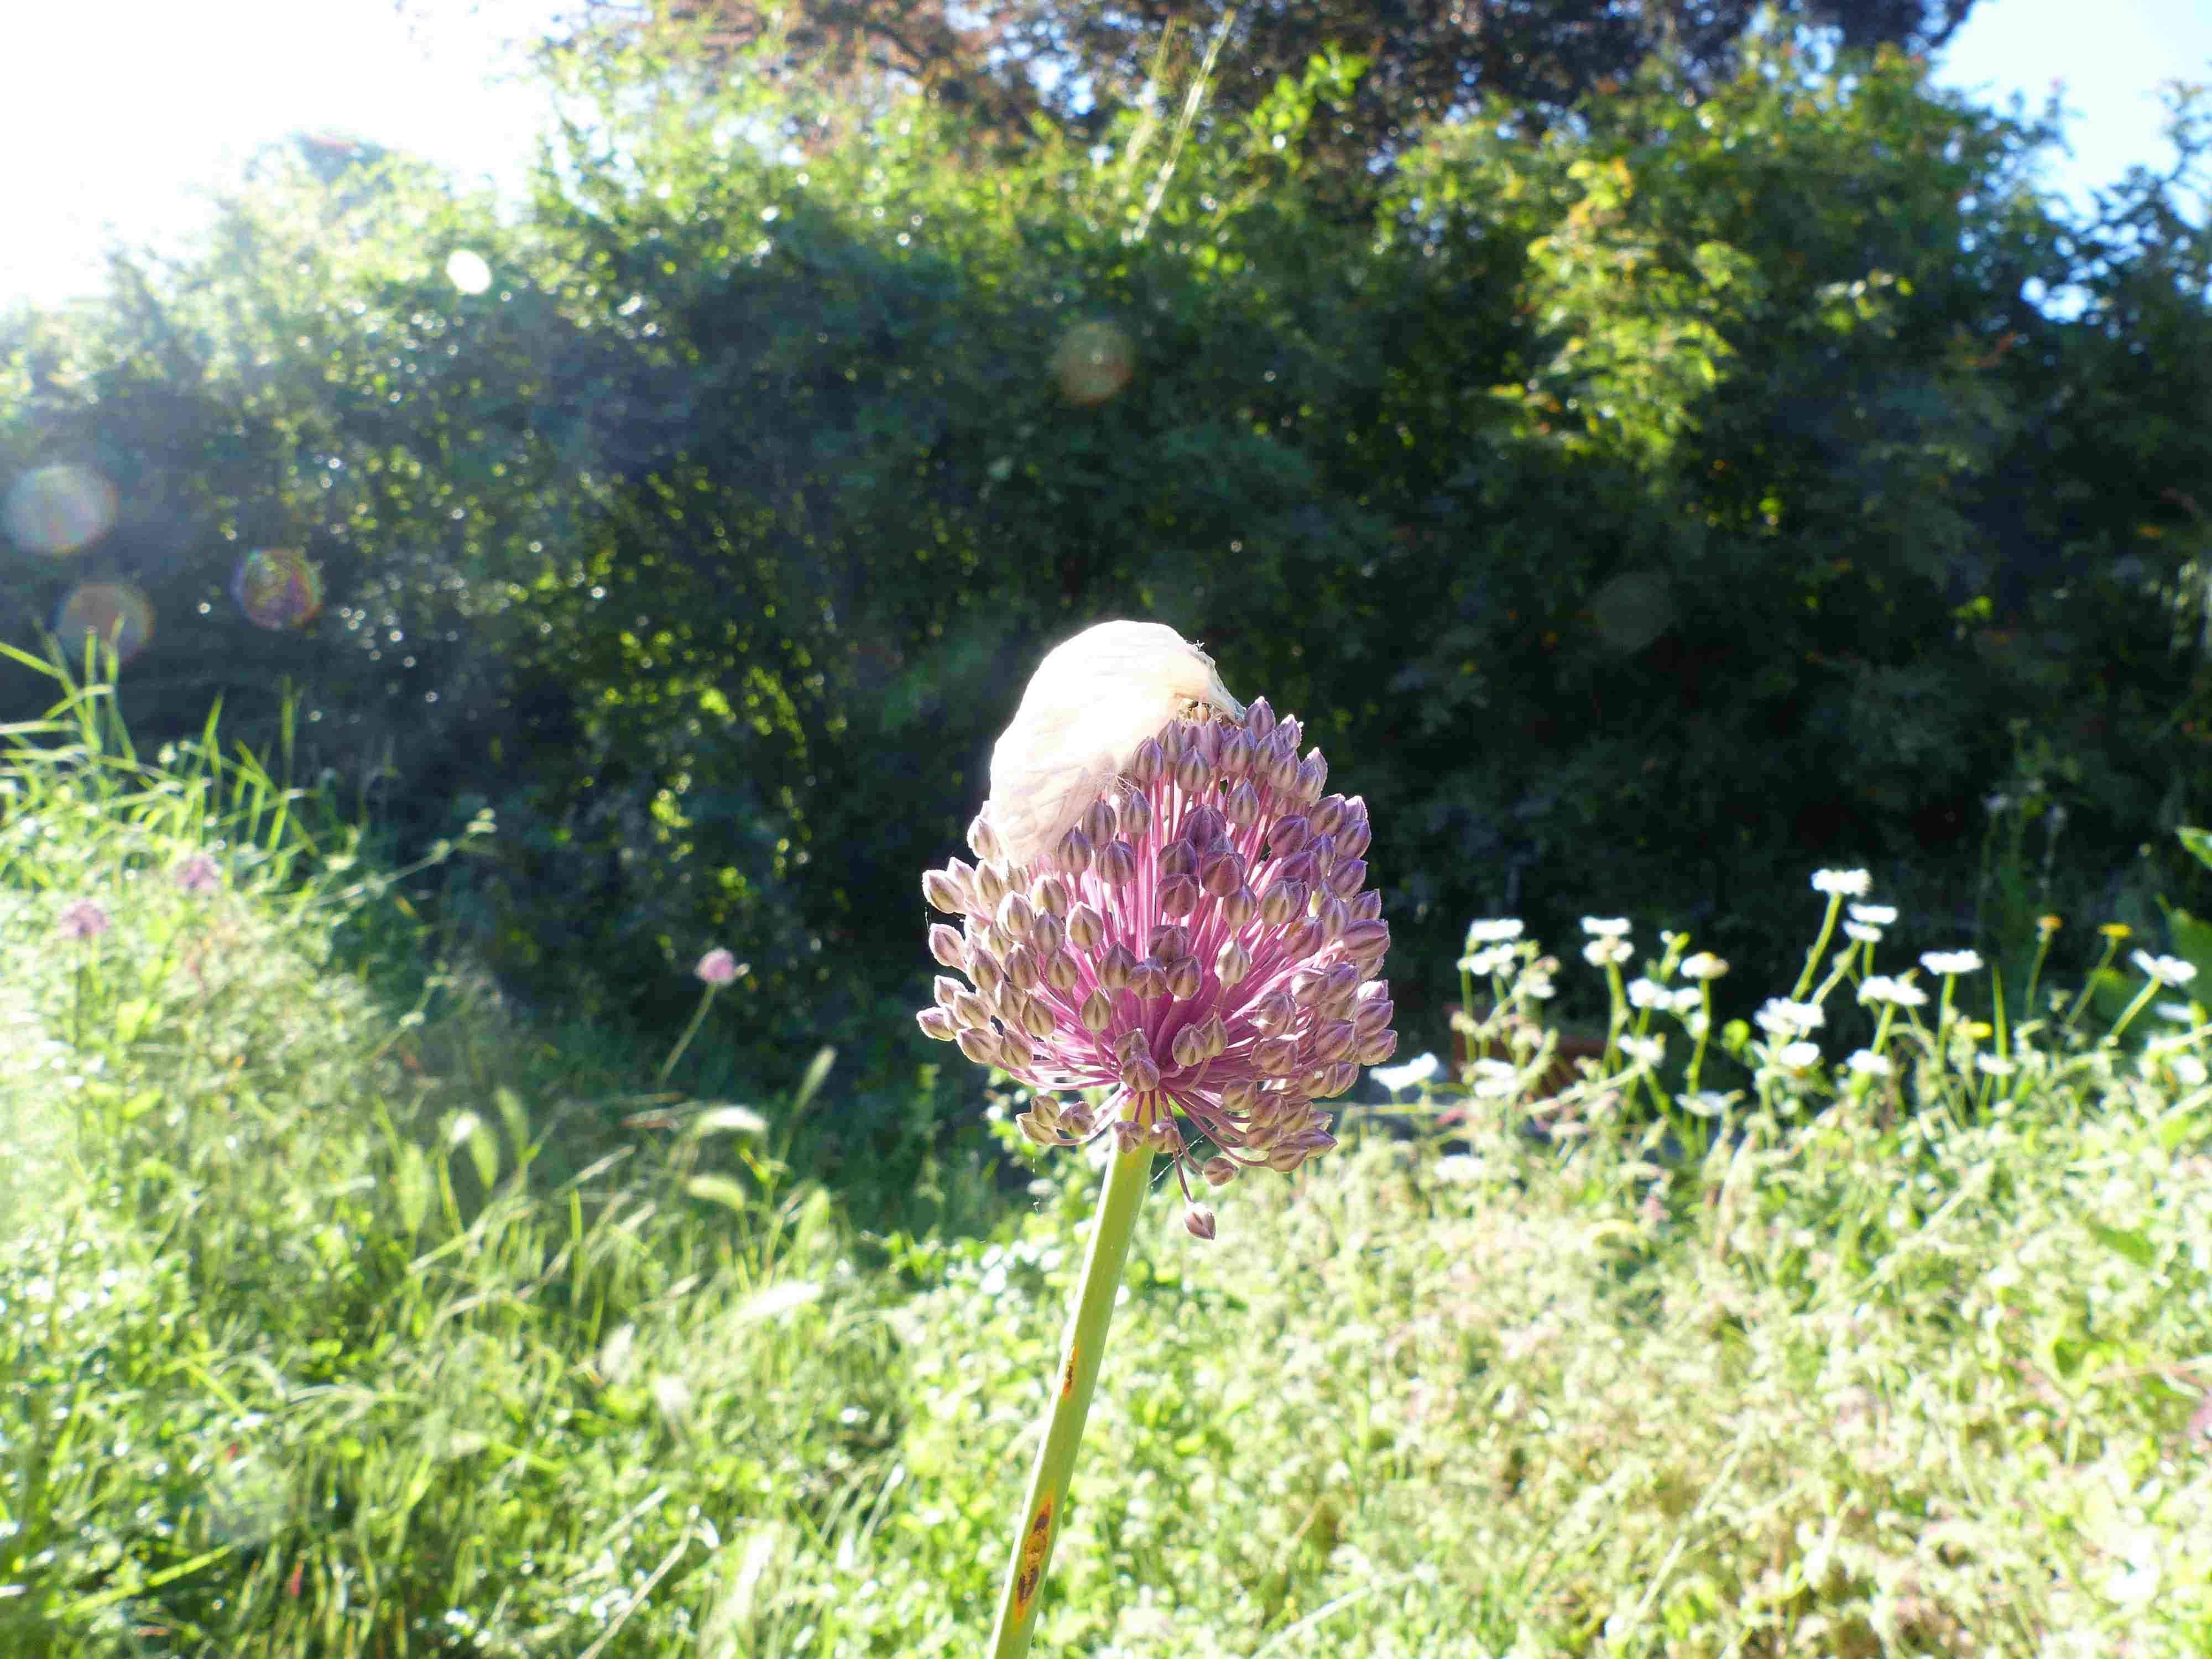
(1641, 516)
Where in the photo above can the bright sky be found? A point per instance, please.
(115, 115)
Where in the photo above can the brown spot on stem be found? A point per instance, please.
(1036, 1543)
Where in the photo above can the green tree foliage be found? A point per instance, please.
(1641, 514)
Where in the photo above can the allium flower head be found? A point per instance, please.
(199, 874)
(84, 920)
(1199, 939)
(718, 967)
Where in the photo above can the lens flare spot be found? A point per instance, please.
(277, 588)
(1632, 610)
(1093, 361)
(468, 272)
(117, 614)
(60, 509)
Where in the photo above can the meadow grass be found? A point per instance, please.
(337, 1321)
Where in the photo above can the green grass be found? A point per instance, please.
(335, 1321)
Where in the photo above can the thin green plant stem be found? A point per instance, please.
(1044, 1506)
(689, 1031)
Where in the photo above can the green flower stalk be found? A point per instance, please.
(1166, 908)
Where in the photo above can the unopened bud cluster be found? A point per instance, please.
(1202, 942)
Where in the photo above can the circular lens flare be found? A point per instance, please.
(277, 588)
(1093, 361)
(468, 272)
(117, 614)
(60, 510)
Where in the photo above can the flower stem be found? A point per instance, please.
(1043, 1507)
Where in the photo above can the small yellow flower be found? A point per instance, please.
(2046, 925)
(2116, 930)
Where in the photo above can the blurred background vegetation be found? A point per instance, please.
(1657, 451)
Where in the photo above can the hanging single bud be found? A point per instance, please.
(1219, 1171)
(1232, 964)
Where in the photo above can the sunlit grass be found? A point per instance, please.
(332, 1325)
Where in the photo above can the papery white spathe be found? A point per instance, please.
(1093, 701)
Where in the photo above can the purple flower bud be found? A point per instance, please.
(943, 892)
(1171, 942)
(1219, 1171)
(1099, 822)
(947, 946)
(1139, 1076)
(1074, 852)
(1148, 980)
(1193, 774)
(1096, 1012)
(1232, 964)
(1242, 807)
(1328, 815)
(1198, 1221)
(1047, 935)
(1259, 718)
(1286, 901)
(1038, 1019)
(1369, 1018)
(984, 968)
(1022, 970)
(1333, 917)
(983, 840)
(1015, 915)
(1374, 1050)
(1354, 838)
(1237, 758)
(1136, 813)
(1178, 857)
(1288, 837)
(1188, 1047)
(980, 1044)
(1116, 966)
(945, 987)
(968, 1009)
(1062, 973)
(1332, 1040)
(1085, 928)
(1185, 978)
(989, 886)
(1052, 899)
(1221, 872)
(1015, 1052)
(1035, 1130)
(1346, 876)
(1117, 864)
(1178, 895)
(1366, 906)
(936, 1023)
(1239, 908)
(1148, 765)
(1275, 1056)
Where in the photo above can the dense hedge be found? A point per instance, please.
(1640, 516)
